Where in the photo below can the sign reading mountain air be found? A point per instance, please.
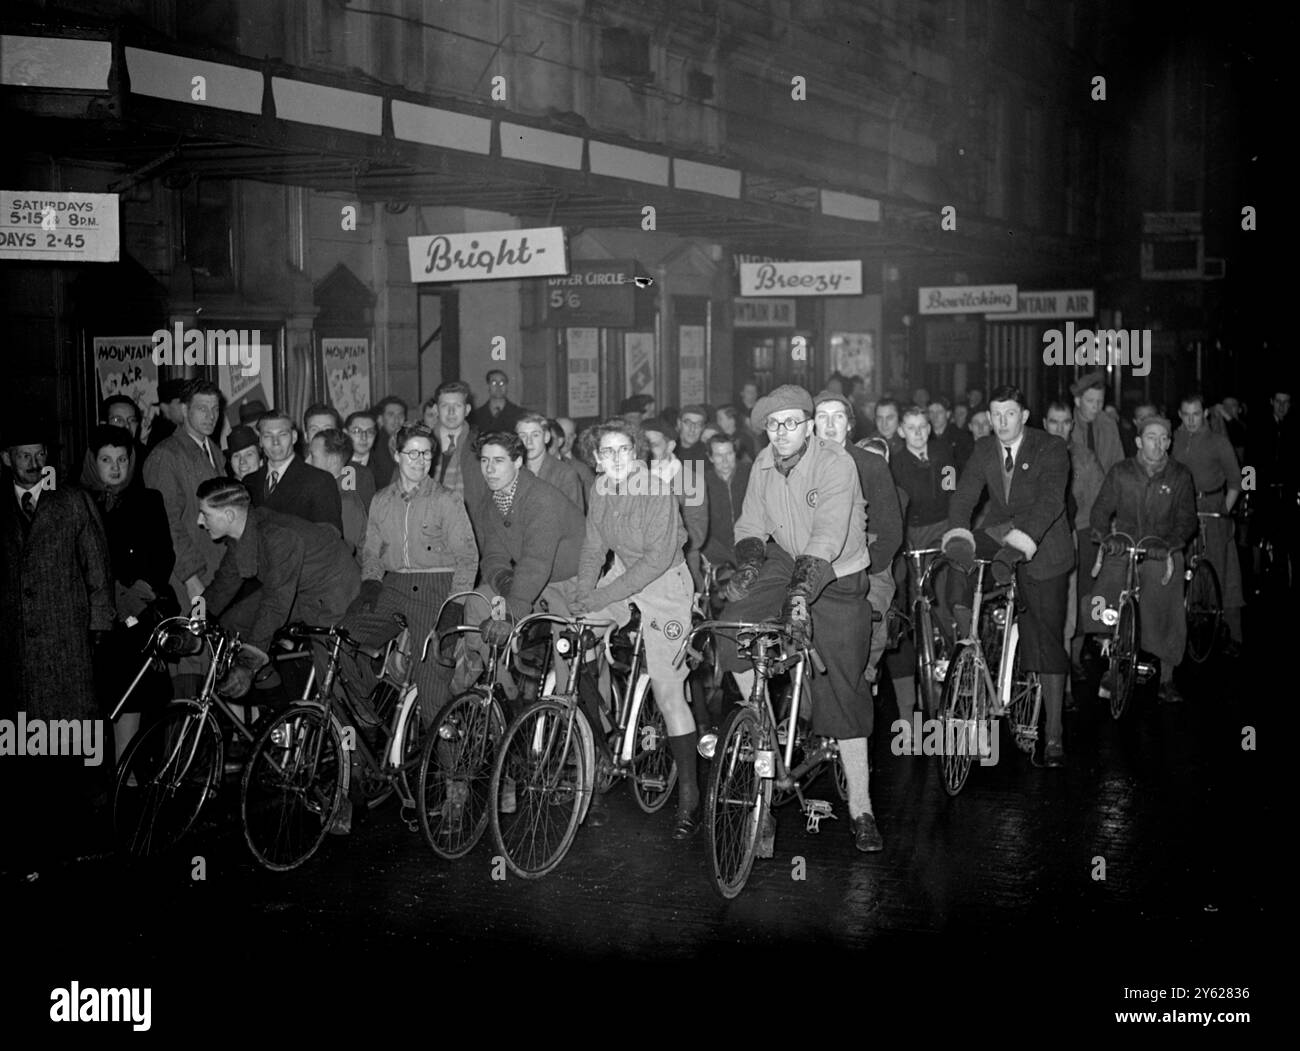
(598, 294)
(834, 277)
(491, 255)
(967, 299)
(59, 227)
(1074, 302)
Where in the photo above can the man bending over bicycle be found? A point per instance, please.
(1148, 495)
(530, 535)
(804, 496)
(303, 571)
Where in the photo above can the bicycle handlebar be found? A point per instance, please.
(765, 627)
(1137, 549)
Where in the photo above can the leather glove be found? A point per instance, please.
(366, 601)
(1157, 552)
(1004, 564)
(750, 555)
(959, 546)
(810, 575)
(1114, 546)
(497, 632)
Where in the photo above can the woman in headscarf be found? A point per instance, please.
(141, 556)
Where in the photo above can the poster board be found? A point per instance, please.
(125, 365)
(584, 371)
(346, 366)
(639, 363)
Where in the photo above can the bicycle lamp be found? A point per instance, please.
(1110, 616)
(564, 646)
(999, 616)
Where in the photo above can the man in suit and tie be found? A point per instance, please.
(285, 483)
(1026, 473)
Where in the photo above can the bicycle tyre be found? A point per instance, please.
(960, 706)
(293, 786)
(1124, 659)
(1025, 704)
(552, 777)
(927, 652)
(461, 750)
(654, 770)
(1203, 604)
(736, 802)
(176, 763)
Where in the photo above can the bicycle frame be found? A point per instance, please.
(1010, 632)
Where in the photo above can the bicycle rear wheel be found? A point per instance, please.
(1124, 659)
(929, 650)
(736, 802)
(654, 770)
(455, 773)
(1024, 705)
(166, 776)
(293, 786)
(962, 703)
(543, 757)
(1204, 608)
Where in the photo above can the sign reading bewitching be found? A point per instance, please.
(59, 227)
(834, 277)
(488, 255)
(967, 299)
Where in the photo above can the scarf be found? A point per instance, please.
(787, 464)
(108, 496)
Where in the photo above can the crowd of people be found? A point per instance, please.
(809, 502)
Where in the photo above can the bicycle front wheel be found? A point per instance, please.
(1204, 608)
(293, 787)
(543, 783)
(929, 647)
(736, 802)
(166, 776)
(455, 777)
(1124, 659)
(1024, 705)
(654, 770)
(962, 703)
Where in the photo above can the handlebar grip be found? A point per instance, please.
(817, 661)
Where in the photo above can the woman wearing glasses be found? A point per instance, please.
(419, 548)
(638, 519)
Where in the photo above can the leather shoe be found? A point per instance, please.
(688, 823)
(1169, 694)
(866, 837)
(1053, 759)
(598, 812)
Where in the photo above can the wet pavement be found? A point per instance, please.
(987, 909)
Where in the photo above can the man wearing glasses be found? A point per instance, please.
(362, 429)
(498, 413)
(801, 552)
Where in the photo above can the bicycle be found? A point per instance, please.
(547, 758)
(931, 646)
(1202, 601)
(984, 682)
(301, 770)
(1124, 669)
(454, 785)
(751, 760)
(174, 766)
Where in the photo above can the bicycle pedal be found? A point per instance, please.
(816, 810)
(654, 784)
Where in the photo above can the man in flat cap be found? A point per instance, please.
(1094, 430)
(801, 553)
(1149, 495)
(171, 411)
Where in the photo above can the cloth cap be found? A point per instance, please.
(241, 438)
(843, 399)
(27, 428)
(660, 426)
(787, 396)
(249, 411)
(1155, 421)
(1087, 381)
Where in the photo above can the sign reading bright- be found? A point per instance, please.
(488, 255)
(59, 227)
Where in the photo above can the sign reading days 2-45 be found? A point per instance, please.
(836, 277)
(488, 255)
(967, 299)
(59, 227)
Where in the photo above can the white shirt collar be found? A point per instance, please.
(34, 490)
(278, 472)
(1014, 447)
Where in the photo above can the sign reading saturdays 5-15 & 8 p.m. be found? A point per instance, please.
(58, 226)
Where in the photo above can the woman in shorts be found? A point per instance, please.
(642, 525)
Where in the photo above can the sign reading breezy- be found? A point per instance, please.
(488, 255)
(59, 227)
(967, 299)
(837, 277)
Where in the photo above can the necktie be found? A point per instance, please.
(271, 479)
(446, 458)
(207, 451)
(1092, 439)
(923, 458)
(1008, 464)
(29, 505)
(1008, 471)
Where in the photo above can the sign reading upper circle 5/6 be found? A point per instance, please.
(488, 255)
(59, 226)
(836, 277)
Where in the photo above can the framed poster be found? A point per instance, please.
(346, 365)
(854, 354)
(690, 360)
(584, 371)
(639, 363)
(125, 365)
(236, 388)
